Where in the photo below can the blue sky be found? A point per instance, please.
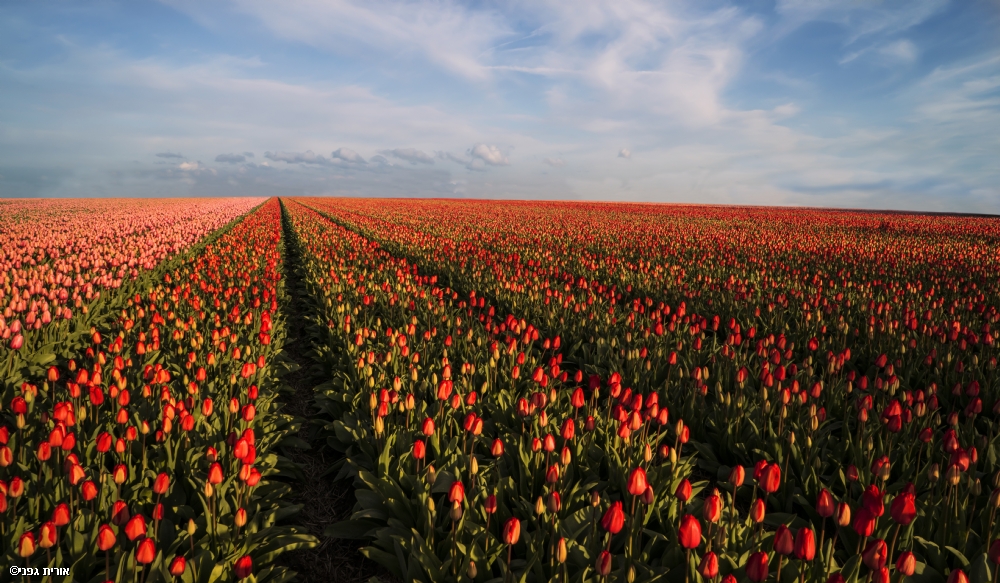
(856, 103)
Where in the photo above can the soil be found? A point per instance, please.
(325, 501)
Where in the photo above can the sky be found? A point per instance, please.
(878, 104)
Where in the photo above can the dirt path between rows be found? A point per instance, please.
(325, 501)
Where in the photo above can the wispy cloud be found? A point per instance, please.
(348, 155)
(724, 101)
(307, 157)
(411, 155)
(231, 158)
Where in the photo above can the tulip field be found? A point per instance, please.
(514, 391)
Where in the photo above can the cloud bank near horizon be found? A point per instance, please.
(871, 105)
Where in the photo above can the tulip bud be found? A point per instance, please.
(177, 566)
(554, 503)
(512, 531)
(953, 475)
(906, 564)
(561, 551)
(843, 514)
(603, 564)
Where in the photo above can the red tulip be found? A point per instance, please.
(106, 537)
(906, 563)
(736, 476)
(427, 428)
(136, 527)
(243, 567)
(145, 552)
(757, 511)
(496, 449)
(712, 509)
(512, 531)
(864, 522)
(568, 429)
(88, 490)
(215, 474)
(419, 449)
(805, 544)
(689, 532)
(552, 474)
(683, 491)
(757, 567)
(104, 442)
(457, 492)
(881, 575)
(771, 478)
(875, 554)
(825, 504)
(958, 576)
(709, 565)
(177, 566)
(872, 500)
(162, 483)
(903, 508)
(784, 544)
(637, 482)
(60, 515)
(491, 504)
(614, 518)
(120, 513)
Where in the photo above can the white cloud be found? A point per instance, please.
(624, 153)
(554, 162)
(489, 154)
(348, 156)
(411, 155)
